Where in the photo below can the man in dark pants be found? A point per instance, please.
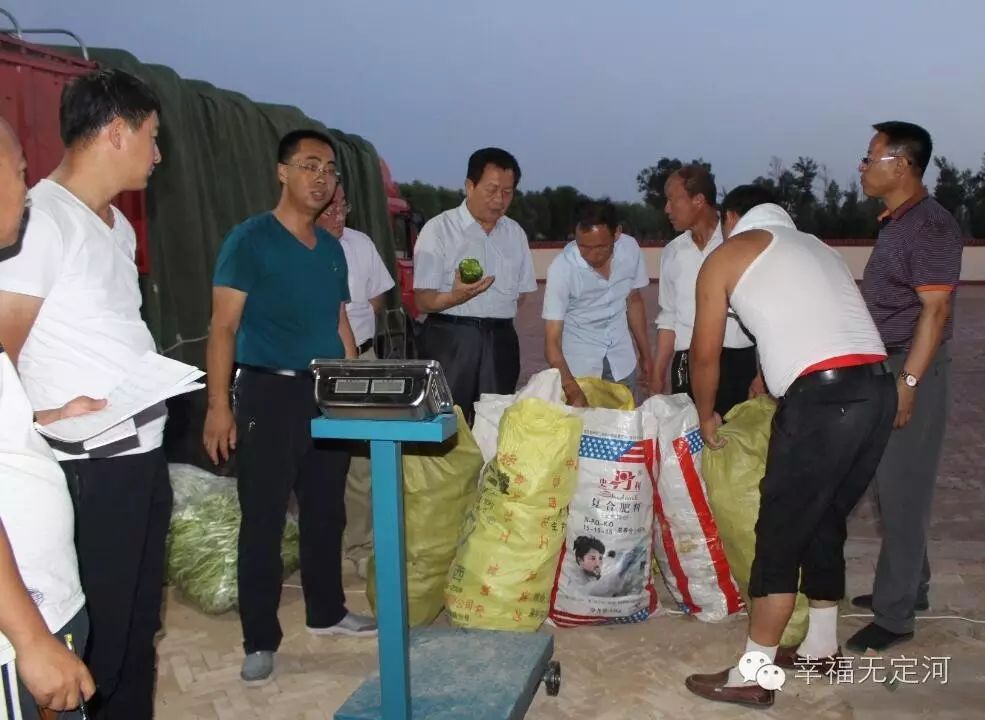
(71, 317)
(691, 200)
(822, 357)
(909, 284)
(469, 329)
(278, 301)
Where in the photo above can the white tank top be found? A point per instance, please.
(800, 301)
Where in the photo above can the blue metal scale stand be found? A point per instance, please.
(437, 674)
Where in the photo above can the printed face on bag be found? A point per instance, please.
(589, 555)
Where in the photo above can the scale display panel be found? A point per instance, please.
(381, 389)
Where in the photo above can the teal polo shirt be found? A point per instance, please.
(293, 293)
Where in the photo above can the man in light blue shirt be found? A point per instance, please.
(593, 308)
(469, 328)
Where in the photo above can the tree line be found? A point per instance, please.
(817, 202)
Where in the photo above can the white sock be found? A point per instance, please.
(822, 633)
(734, 677)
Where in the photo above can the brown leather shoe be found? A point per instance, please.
(712, 687)
(788, 659)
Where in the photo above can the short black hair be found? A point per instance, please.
(288, 144)
(910, 140)
(596, 212)
(583, 544)
(492, 156)
(91, 102)
(698, 180)
(744, 198)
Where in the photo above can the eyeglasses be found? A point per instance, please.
(866, 160)
(318, 171)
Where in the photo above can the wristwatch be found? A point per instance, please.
(909, 379)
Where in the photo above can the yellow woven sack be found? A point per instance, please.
(439, 488)
(732, 476)
(504, 568)
(605, 394)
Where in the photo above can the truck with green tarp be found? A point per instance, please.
(219, 155)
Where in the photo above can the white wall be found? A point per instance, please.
(972, 268)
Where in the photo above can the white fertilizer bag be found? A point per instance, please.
(685, 539)
(604, 572)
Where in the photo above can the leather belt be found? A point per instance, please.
(480, 322)
(366, 346)
(836, 375)
(283, 372)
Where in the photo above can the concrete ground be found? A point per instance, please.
(637, 671)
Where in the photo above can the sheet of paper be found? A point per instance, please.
(152, 380)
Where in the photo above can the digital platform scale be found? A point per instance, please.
(439, 673)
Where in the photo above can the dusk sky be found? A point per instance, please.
(583, 93)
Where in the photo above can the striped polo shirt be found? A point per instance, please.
(918, 249)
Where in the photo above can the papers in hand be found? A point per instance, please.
(153, 380)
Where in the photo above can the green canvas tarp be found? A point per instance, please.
(219, 168)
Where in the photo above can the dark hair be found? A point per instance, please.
(744, 198)
(698, 180)
(583, 544)
(492, 156)
(289, 143)
(596, 212)
(910, 140)
(91, 102)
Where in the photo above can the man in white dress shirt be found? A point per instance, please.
(691, 206)
(593, 307)
(369, 280)
(469, 328)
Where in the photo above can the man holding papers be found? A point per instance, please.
(70, 319)
(278, 301)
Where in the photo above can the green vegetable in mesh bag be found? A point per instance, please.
(732, 475)
(202, 550)
(470, 270)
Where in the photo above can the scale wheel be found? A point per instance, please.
(552, 678)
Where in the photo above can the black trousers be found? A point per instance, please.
(275, 455)
(122, 515)
(828, 435)
(738, 368)
(478, 355)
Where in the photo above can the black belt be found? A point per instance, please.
(276, 371)
(897, 349)
(836, 375)
(366, 346)
(479, 322)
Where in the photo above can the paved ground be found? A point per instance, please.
(637, 671)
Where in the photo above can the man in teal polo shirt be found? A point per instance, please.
(278, 301)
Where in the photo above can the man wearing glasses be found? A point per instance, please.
(368, 282)
(469, 329)
(278, 301)
(909, 285)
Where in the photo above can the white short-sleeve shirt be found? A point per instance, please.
(368, 278)
(89, 332)
(448, 238)
(593, 308)
(680, 262)
(36, 510)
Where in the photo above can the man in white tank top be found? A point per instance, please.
(823, 358)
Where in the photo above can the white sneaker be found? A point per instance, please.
(352, 625)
